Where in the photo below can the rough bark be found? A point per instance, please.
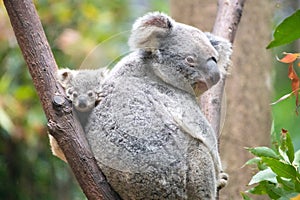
(64, 128)
(227, 20)
(248, 90)
(247, 121)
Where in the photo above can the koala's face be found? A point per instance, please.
(197, 56)
(188, 53)
(83, 87)
(83, 100)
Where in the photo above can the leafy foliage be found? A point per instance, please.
(279, 170)
(283, 113)
(289, 59)
(287, 31)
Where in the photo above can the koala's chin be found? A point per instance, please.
(199, 88)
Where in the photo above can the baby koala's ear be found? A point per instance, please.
(149, 30)
(224, 49)
(64, 76)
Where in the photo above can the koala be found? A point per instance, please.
(83, 89)
(147, 133)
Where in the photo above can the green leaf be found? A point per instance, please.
(261, 166)
(287, 148)
(290, 151)
(283, 155)
(245, 197)
(260, 189)
(272, 191)
(253, 161)
(263, 152)
(288, 196)
(275, 136)
(297, 159)
(286, 184)
(265, 175)
(287, 31)
(297, 186)
(280, 168)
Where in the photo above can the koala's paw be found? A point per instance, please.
(222, 181)
(102, 94)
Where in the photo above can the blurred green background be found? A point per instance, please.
(73, 28)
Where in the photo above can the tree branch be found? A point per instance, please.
(228, 18)
(64, 128)
(226, 24)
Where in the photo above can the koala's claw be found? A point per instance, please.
(222, 181)
(102, 94)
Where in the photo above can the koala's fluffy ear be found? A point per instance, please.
(148, 30)
(64, 76)
(224, 49)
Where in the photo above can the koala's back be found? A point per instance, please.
(141, 148)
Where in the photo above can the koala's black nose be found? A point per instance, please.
(82, 102)
(215, 76)
(213, 73)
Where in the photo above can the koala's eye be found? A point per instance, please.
(70, 91)
(90, 93)
(213, 59)
(211, 63)
(190, 60)
(75, 94)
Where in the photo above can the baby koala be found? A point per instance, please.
(83, 89)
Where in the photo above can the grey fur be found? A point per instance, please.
(83, 89)
(148, 134)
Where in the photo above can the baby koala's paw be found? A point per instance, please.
(102, 94)
(222, 181)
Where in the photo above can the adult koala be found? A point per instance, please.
(148, 133)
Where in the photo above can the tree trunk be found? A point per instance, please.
(247, 121)
(248, 89)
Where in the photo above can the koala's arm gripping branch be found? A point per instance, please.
(226, 24)
(67, 131)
